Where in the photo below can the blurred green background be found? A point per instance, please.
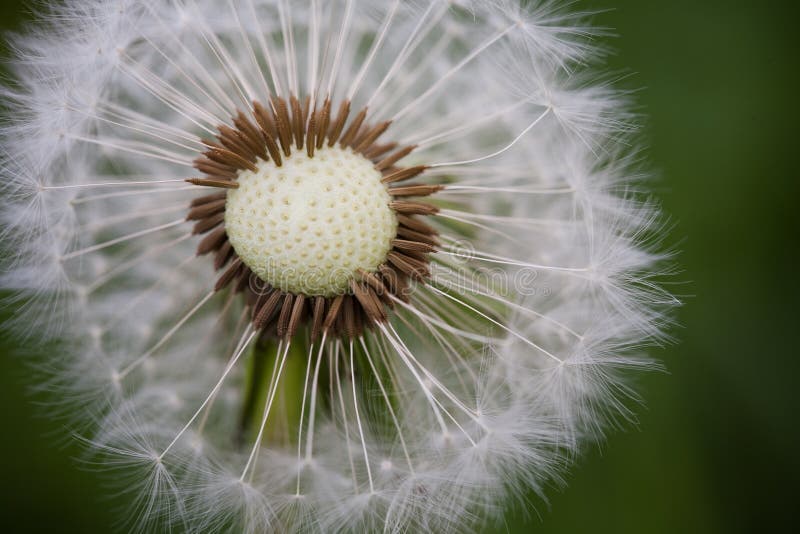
(716, 449)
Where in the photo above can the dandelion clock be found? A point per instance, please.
(325, 265)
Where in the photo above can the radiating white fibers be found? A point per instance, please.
(542, 297)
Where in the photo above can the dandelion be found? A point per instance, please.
(326, 265)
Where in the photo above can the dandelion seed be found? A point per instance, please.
(406, 281)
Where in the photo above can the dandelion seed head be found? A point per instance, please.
(328, 265)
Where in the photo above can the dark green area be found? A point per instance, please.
(716, 447)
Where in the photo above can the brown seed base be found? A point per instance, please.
(273, 134)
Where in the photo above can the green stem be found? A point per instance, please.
(284, 417)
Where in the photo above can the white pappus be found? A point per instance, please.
(327, 265)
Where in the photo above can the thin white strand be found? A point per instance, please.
(331, 389)
(462, 127)
(337, 374)
(327, 49)
(410, 77)
(122, 239)
(313, 408)
(407, 47)
(201, 70)
(400, 351)
(497, 323)
(207, 341)
(389, 407)
(122, 267)
(507, 302)
(309, 359)
(166, 337)
(436, 307)
(376, 44)
(492, 258)
(486, 172)
(444, 78)
(473, 189)
(121, 313)
(211, 395)
(229, 66)
(158, 190)
(135, 118)
(348, 12)
(110, 221)
(121, 145)
(251, 53)
(262, 42)
(169, 96)
(504, 219)
(240, 323)
(358, 420)
(145, 147)
(477, 225)
(267, 408)
(273, 383)
(442, 344)
(112, 184)
(436, 382)
(498, 152)
(313, 49)
(222, 99)
(444, 326)
(438, 407)
(285, 16)
(384, 353)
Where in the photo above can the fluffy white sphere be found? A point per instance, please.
(499, 256)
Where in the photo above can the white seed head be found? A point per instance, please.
(311, 224)
(479, 175)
